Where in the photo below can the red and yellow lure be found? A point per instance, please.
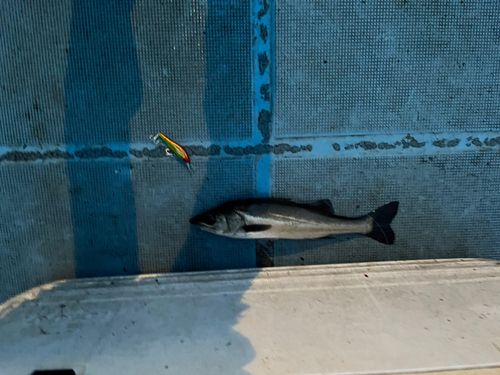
(175, 148)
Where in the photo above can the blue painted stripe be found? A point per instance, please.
(398, 144)
(262, 90)
(346, 146)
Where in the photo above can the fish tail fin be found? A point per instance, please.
(382, 217)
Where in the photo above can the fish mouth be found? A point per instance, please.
(203, 220)
(195, 221)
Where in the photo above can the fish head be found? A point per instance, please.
(220, 222)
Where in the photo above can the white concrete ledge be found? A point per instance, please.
(354, 318)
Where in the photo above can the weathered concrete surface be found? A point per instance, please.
(34, 45)
(347, 66)
(402, 317)
(36, 232)
(168, 195)
(95, 77)
(448, 205)
(85, 192)
(195, 62)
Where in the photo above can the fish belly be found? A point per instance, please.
(308, 231)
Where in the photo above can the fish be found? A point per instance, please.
(175, 148)
(284, 219)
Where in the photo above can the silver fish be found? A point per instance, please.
(284, 219)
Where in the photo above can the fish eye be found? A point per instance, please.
(210, 220)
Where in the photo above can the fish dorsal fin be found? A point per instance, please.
(323, 206)
(256, 228)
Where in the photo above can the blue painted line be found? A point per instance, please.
(262, 90)
(345, 146)
(398, 144)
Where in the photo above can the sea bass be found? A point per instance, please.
(284, 219)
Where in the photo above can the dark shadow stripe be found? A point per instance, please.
(103, 91)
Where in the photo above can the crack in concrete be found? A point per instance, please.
(263, 149)
(386, 146)
(263, 62)
(263, 33)
(213, 150)
(16, 156)
(409, 142)
(439, 143)
(476, 142)
(442, 143)
(492, 142)
(93, 153)
(264, 10)
(412, 142)
(264, 124)
(100, 152)
(366, 145)
(159, 151)
(265, 90)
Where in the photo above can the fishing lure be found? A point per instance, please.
(176, 148)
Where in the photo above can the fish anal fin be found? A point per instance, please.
(324, 206)
(256, 228)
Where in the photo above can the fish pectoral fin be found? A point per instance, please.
(323, 206)
(256, 228)
(240, 214)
